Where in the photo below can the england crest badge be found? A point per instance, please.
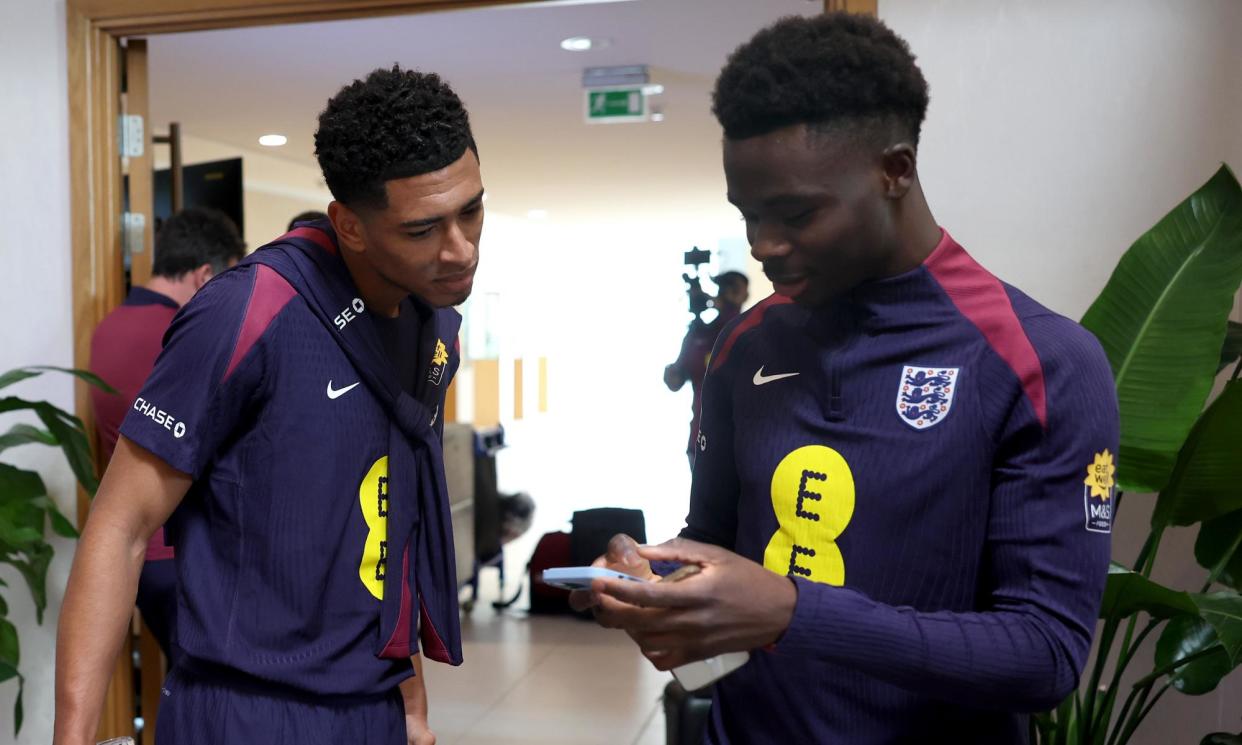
(925, 394)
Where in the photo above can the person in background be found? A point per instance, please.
(192, 246)
(308, 216)
(696, 347)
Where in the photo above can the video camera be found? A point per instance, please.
(699, 299)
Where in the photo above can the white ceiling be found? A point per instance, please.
(523, 91)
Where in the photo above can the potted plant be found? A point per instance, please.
(1163, 322)
(26, 508)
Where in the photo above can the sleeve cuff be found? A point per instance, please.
(161, 445)
(828, 623)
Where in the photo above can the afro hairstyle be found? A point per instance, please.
(825, 71)
(394, 124)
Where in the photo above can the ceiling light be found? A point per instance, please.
(657, 116)
(653, 90)
(577, 44)
(537, 214)
(273, 140)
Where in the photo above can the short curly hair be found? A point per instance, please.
(395, 124)
(824, 71)
(193, 237)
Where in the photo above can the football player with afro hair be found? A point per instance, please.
(901, 496)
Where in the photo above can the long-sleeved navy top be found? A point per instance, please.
(931, 460)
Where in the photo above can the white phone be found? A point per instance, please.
(579, 578)
(696, 675)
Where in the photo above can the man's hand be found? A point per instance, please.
(417, 732)
(414, 696)
(732, 605)
(673, 378)
(622, 556)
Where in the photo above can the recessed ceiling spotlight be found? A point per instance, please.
(585, 43)
(657, 116)
(654, 89)
(273, 140)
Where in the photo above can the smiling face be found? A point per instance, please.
(818, 209)
(425, 242)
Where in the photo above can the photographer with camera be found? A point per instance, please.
(696, 347)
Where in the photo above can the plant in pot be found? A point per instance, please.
(1163, 320)
(26, 509)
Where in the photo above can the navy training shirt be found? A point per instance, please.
(931, 460)
(280, 540)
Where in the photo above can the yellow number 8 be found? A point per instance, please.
(813, 496)
(373, 497)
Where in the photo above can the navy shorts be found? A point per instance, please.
(195, 710)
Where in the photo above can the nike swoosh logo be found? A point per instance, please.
(337, 393)
(760, 378)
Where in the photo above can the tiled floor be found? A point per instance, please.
(546, 680)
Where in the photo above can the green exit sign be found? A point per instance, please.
(611, 105)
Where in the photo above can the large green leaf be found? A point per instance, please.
(1207, 481)
(69, 431)
(60, 524)
(25, 373)
(1128, 592)
(10, 657)
(34, 571)
(12, 403)
(1224, 611)
(24, 434)
(10, 651)
(1182, 637)
(18, 713)
(1161, 320)
(19, 510)
(16, 376)
(18, 485)
(1217, 537)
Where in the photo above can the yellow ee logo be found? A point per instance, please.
(373, 497)
(813, 498)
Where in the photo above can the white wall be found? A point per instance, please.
(35, 298)
(1060, 131)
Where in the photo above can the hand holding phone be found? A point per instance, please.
(696, 675)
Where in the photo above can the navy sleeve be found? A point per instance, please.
(1045, 559)
(208, 376)
(714, 490)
